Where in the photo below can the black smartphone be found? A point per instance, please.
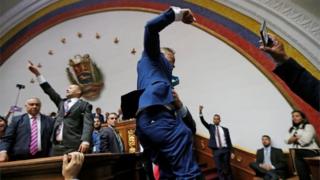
(266, 40)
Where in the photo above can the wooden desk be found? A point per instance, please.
(314, 164)
(96, 166)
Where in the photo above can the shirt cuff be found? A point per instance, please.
(183, 111)
(178, 13)
(41, 79)
(272, 167)
(3, 151)
(85, 142)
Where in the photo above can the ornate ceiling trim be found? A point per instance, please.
(293, 23)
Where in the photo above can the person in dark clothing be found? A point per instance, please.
(270, 163)
(297, 78)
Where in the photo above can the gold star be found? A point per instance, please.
(32, 81)
(116, 40)
(98, 36)
(79, 35)
(63, 40)
(39, 65)
(50, 52)
(133, 51)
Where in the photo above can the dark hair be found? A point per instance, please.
(216, 115)
(304, 120)
(113, 114)
(266, 136)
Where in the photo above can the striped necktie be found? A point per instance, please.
(34, 136)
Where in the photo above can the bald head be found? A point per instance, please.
(73, 91)
(33, 106)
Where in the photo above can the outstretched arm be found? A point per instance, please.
(202, 119)
(45, 86)
(153, 27)
(299, 80)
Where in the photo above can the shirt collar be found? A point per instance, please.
(37, 116)
(73, 99)
(267, 148)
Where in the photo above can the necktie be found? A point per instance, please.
(218, 135)
(119, 141)
(34, 137)
(66, 106)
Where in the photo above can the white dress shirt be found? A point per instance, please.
(69, 103)
(222, 137)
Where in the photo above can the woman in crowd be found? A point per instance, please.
(302, 136)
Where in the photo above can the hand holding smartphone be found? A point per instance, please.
(266, 40)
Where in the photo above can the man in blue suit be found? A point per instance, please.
(220, 143)
(28, 135)
(160, 130)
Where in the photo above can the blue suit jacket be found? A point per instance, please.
(16, 140)
(212, 130)
(154, 70)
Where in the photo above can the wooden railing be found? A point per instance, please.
(96, 166)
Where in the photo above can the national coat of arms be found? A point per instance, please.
(85, 73)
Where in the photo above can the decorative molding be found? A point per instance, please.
(132, 140)
(310, 25)
(293, 23)
(21, 11)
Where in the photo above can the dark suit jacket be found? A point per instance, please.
(77, 122)
(212, 130)
(300, 81)
(277, 159)
(16, 140)
(154, 70)
(109, 141)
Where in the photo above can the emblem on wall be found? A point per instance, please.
(85, 73)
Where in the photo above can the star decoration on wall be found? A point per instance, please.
(98, 36)
(39, 65)
(116, 40)
(50, 52)
(32, 81)
(133, 51)
(79, 35)
(63, 40)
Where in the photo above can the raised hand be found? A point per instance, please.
(187, 17)
(33, 68)
(200, 109)
(276, 50)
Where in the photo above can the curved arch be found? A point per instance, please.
(211, 17)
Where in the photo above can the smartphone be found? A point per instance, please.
(175, 80)
(266, 40)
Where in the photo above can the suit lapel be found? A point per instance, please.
(74, 107)
(42, 125)
(272, 155)
(26, 120)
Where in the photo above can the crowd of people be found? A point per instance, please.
(164, 125)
